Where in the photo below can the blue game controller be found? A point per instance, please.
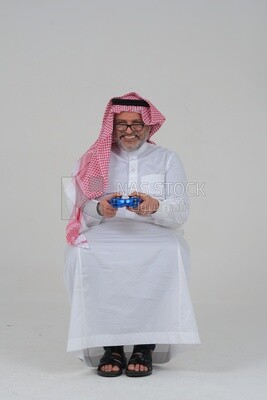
(118, 202)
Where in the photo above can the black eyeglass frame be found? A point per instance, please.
(126, 126)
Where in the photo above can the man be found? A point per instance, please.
(126, 268)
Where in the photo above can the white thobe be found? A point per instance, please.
(130, 286)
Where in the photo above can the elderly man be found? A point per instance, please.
(126, 268)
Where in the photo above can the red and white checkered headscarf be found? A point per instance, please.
(91, 179)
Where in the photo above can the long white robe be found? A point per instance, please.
(130, 285)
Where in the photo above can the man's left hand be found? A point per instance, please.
(148, 206)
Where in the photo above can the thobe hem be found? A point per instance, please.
(134, 338)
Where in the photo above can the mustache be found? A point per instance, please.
(125, 134)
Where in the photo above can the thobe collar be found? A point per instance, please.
(129, 154)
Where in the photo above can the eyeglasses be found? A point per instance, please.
(136, 127)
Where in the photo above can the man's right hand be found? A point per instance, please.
(105, 209)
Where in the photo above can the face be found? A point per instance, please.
(129, 140)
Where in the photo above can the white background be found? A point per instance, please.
(203, 64)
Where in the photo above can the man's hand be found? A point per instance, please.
(148, 206)
(105, 209)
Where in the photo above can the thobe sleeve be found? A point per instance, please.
(90, 214)
(173, 211)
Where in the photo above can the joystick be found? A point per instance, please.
(118, 202)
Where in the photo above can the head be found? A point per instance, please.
(131, 137)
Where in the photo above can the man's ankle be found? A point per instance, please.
(115, 349)
(139, 347)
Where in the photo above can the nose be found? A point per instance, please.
(128, 127)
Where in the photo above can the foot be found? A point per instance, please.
(140, 363)
(111, 367)
(137, 367)
(112, 363)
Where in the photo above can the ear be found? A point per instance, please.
(149, 129)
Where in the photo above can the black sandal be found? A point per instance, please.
(114, 357)
(143, 357)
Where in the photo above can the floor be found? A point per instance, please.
(231, 362)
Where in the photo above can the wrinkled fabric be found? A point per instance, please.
(130, 284)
